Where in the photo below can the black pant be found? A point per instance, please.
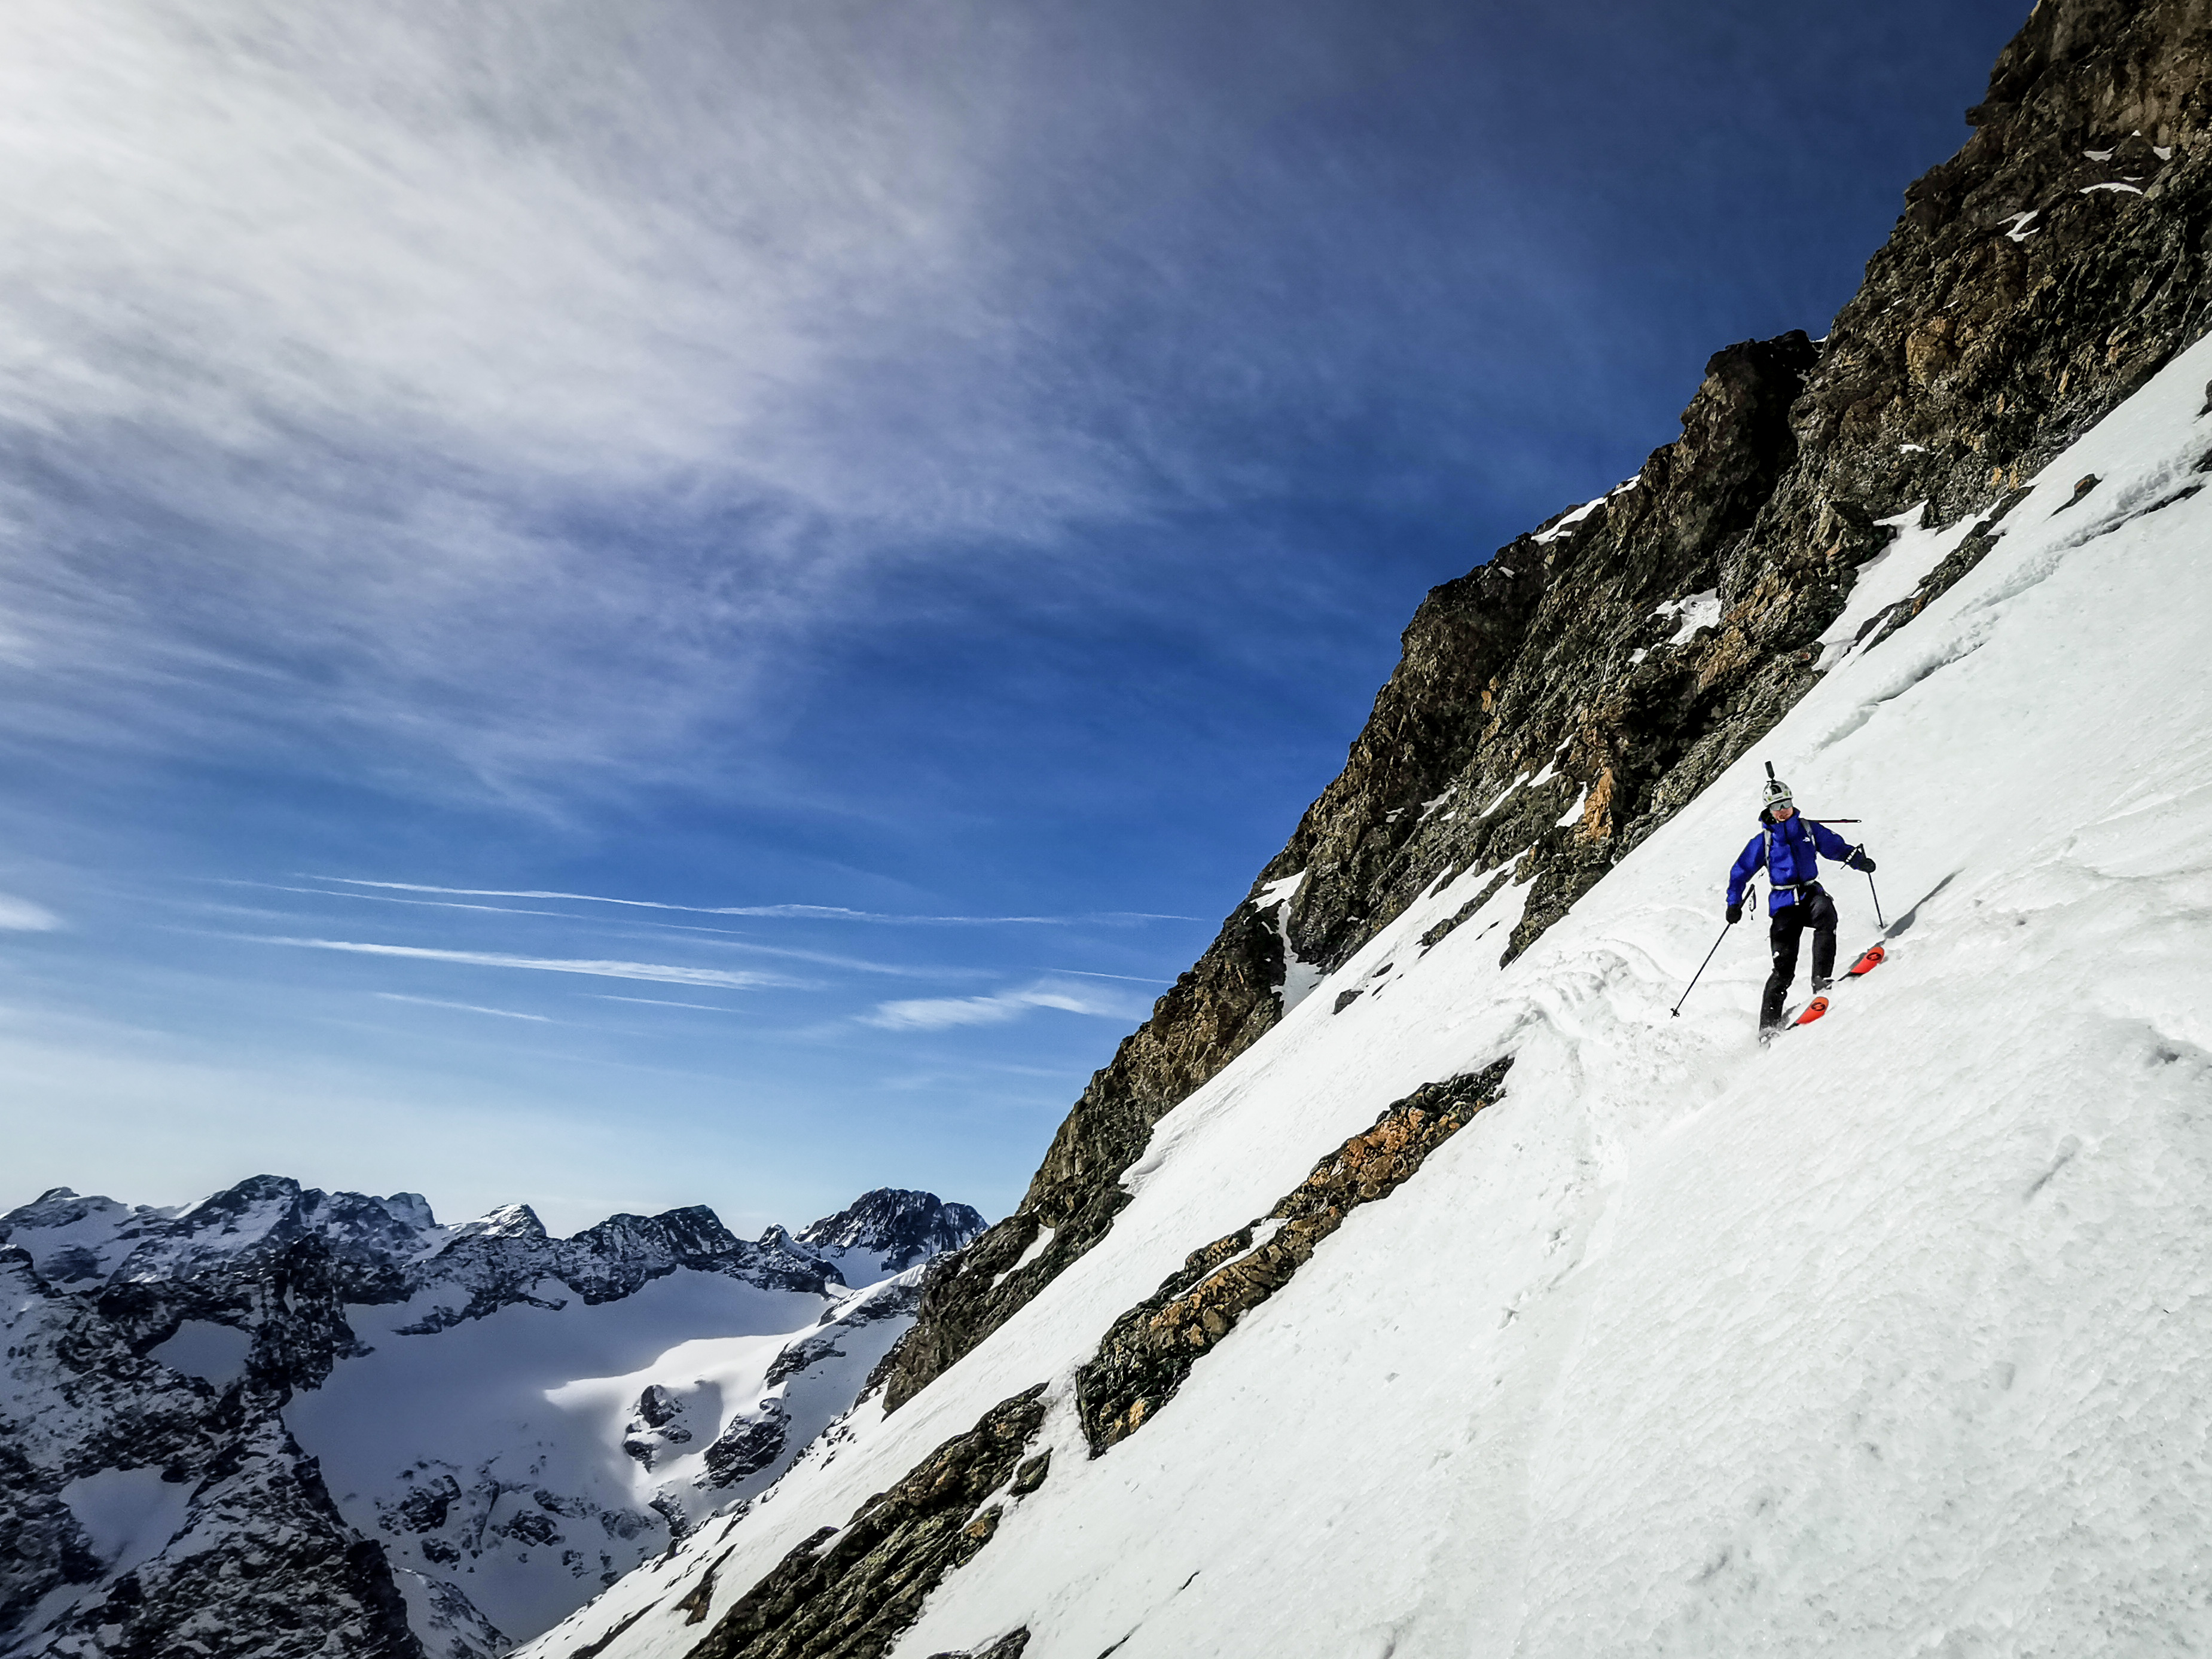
(1816, 911)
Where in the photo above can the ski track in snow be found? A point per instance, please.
(1886, 1340)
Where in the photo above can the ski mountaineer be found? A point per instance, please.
(1790, 847)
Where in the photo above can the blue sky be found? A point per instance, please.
(910, 500)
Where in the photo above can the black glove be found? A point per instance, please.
(1858, 860)
(1735, 914)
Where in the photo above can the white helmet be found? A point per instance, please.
(1777, 792)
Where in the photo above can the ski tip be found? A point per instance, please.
(1814, 1010)
(1868, 962)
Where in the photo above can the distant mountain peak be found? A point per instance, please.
(411, 1207)
(899, 1225)
(507, 1221)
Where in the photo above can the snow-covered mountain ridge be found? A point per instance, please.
(1888, 1339)
(447, 1436)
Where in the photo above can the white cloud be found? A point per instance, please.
(806, 913)
(660, 1003)
(21, 916)
(939, 1013)
(556, 241)
(735, 979)
(465, 1008)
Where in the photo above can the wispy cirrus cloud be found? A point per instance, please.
(942, 1013)
(724, 939)
(811, 912)
(465, 1008)
(664, 973)
(660, 1003)
(389, 899)
(21, 916)
(721, 938)
(1131, 978)
(470, 384)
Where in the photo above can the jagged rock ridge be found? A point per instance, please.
(1555, 705)
(897, 1227)
(852, 1591)
(158, 1359)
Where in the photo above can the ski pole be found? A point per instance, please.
(1676, 1011)
(1876, 897)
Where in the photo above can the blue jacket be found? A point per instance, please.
(1787, 850)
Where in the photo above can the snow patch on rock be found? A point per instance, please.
(1697, 610)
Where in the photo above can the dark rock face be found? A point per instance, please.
(1149, 1351)
(656, 1427)
(2034, 281)
(900, 1228)
(850, 1598)
(263, 1565)
(251, 1556)
(1213, 1013)
(86, 1402)
(748, 1445)
(603, 1263)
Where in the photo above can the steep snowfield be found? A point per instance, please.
(1895, 1338)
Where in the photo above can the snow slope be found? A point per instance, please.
(524, 1401)
(508, 1455)
(536, 1453)
(1895, 1338)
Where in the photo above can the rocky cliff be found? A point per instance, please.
(1558, 703)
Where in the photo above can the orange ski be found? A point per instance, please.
(1868, 963)
(1814, 1010)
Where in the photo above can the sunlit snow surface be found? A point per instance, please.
(1890, 578)
(1299, 978)
(1896, 1338)
(127, 1514)
(526, 1401)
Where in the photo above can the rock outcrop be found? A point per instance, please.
(1146, 1353)
(1214, 1012)
(849, 1592)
